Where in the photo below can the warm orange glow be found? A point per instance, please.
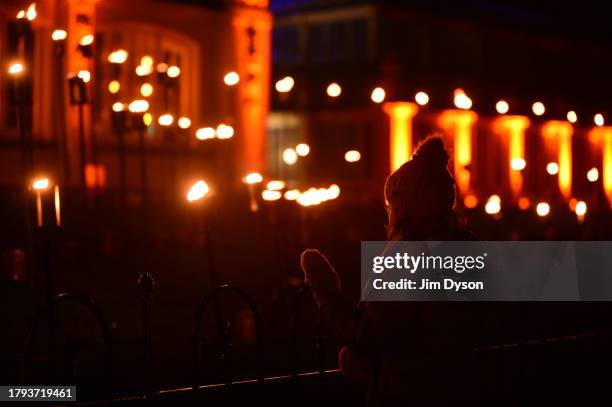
(518, 164)
(57, 203)
(114, 86)
(144, 70)
(162, 67)
(552, 168)
(165, 119)
(268, 195)
(86, 40)
(352, 156)
(593, 175)
(581, 208)
(334, 90)
(20, 14)
(40, 184)
(538, 108)
(524, 203)
(253, 178)
(290, 157)
(461, 100)
(459, 124)
(561, 132)
(292, 194)
(146, 90)
(85, 76)
(400, 137)
(231, 78)
(284, 85)
(378, 95)
(147, 60)
(15, 69)
(542, 209)
(421, 98)
(302, 149)
(138, 106)
(502, 107)
(184, 122)
(224, 131)
(275, 185)
(205, 133)
(147, 119)
(31, 12)
(59, 35)
(197, 191)
(470, 201)
(118, 57)
(493, 205)
(173, 71)
(604, 134)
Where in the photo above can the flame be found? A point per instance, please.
(197, 191)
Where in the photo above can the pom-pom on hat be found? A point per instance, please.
(422, 186)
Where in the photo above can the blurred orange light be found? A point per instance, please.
(253, 178)
(41, 183)
(269, 195)
(542, 208)
(470, 201)
(184, 122)
(165, 119)
(275, 185)
(333, 90)
(572, 117)
(538, 108)
(502, 107)
(15, 69)
(205, 133)
(114, 86)
(231, 78)
(86, 40)
(421, 98)
(378, 95)
(225, 131)
(118, 57)
(31, 12)
(59, 35)
(146, 89)
(197, 191)
(173, 71)
(284, 85)
(524, 203)
(352, 156)
(290, 157)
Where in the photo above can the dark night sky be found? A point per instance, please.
(578, 22)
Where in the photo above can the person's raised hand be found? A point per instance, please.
(320, 276)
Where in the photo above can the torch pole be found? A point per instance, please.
(82, 157)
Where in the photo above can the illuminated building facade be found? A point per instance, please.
(159, 105)
(520, 124)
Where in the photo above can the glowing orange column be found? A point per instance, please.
(561, 132)
(400, 131)
(81, 22)
(252, 25)
(459, 124)
(605, 135)
(513, 127)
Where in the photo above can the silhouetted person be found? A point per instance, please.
(405, 351)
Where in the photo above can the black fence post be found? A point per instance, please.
(320, 341)
(146, 285)
(226, 335)
(94, 310)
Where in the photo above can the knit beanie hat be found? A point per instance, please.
(422, 186)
